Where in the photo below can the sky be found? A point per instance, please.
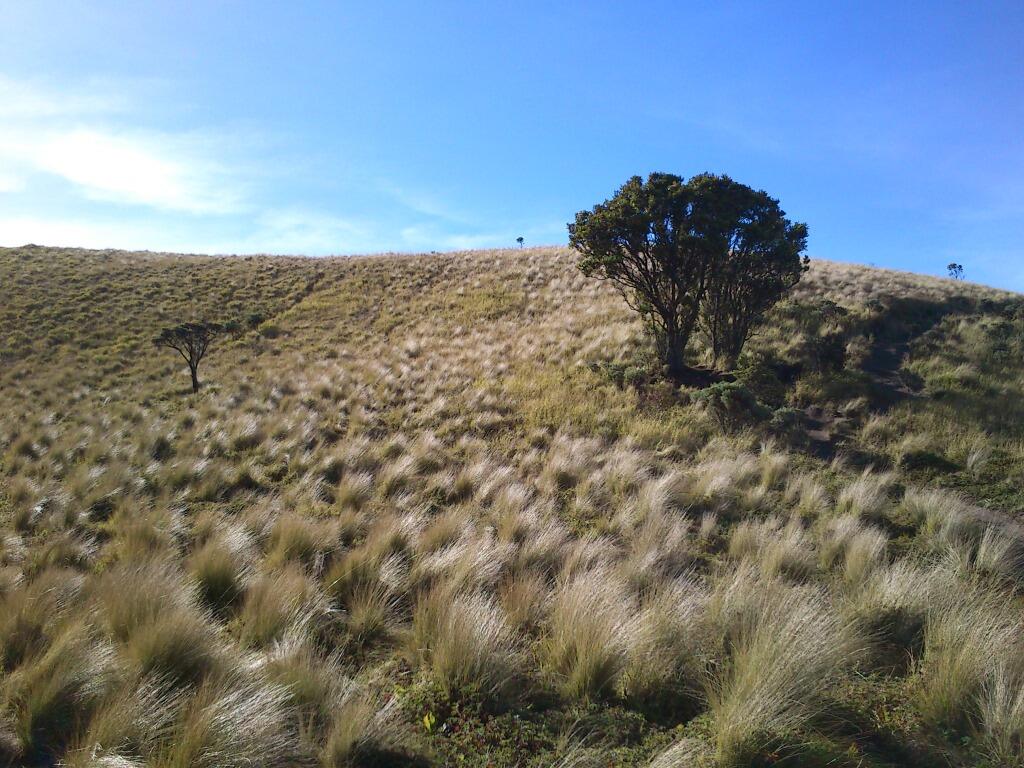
(895, 130)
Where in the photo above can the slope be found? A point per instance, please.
(443, 509)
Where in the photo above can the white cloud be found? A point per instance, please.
(11, 183)
(35, 100)
(80, 136)
(160, 171)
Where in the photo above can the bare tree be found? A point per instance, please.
(191, 341)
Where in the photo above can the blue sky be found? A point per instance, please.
(895, 130)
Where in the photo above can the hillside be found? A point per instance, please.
(443, 510)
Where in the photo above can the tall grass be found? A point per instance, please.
(466, 644)
(591, 627)
(967, 635)
(788, 645)
(414, 519)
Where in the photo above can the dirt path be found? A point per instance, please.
(884, 365)
(889, 385)
(823, 431)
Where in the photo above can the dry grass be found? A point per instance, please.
(788, 645)
(411, 519)
(466, 645)
(592, 626)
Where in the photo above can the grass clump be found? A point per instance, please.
(51, 697)
(231, 722)
(219, 576)
(466, 645)
(787, 645)
(963, 636)
(590, 628)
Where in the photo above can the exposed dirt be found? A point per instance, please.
(824, 431)
(890, 384)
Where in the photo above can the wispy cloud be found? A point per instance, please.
(32, 100)
(84, 136)
(163, 171)
(79, 165)
(310, 232)
(428, 204)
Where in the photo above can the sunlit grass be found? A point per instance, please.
(415, 512)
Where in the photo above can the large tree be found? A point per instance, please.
(760, 263)
(648, 241)
(662, 241)
(191, 341)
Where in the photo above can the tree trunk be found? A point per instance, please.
(675, 349)
(195, 378)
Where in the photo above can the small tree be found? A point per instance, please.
(191, 341)
(520, 241)
(662, 242)
(761, 263)
(956, 271)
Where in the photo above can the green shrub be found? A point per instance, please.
(787, 422)
(763, 382)
(732, 404)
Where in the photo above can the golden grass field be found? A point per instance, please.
(441, 510)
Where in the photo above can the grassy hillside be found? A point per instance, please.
(444, 510)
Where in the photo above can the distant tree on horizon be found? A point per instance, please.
(707, 250)
(520, 241)
(191, 341)
(956, 271)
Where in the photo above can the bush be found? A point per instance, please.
(763, 382)
(788, 423)
(732, 404)
(624, 375)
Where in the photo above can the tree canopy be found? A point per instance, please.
(676, 249)
(191, 341)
